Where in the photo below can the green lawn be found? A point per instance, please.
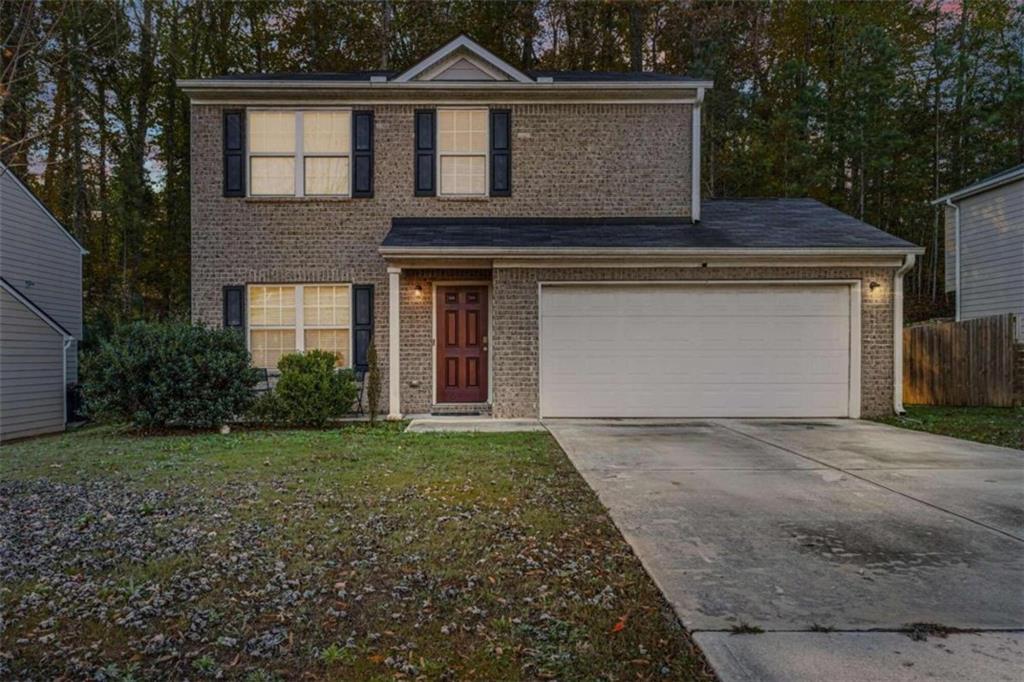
(360, 553)
(995, 425)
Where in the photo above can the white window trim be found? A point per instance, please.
(486, 153)
(299, 327)
(298, 154)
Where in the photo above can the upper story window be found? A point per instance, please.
(300, 153)
(462, 143)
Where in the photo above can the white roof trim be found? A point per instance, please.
(985, 185)
(463, 43)
(34, 309)
(5, 170)
(597, 251)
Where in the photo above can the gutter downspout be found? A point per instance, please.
(956, 250)
(695, 158)
(897, 333)
(64, 374)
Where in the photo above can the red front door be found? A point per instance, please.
(462, 344)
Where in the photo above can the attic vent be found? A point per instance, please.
(545, 79)
(378, 79)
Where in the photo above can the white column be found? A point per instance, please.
(897, 334)
(394, 336)
(695, 158)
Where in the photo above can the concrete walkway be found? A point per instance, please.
(797, 527)
(433, 424)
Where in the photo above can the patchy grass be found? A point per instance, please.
(994, 425)
(360, 553)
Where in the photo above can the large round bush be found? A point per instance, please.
(310, 391)
(169, 374)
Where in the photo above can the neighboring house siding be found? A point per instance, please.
(991, 252)
(572, 160)
(514, 315)
(41, 261)
(31, 374)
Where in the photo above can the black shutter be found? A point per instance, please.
(234, 153)
(362, 153)
(426, 149)
(362, 324)
(234, 308)
(501, 153)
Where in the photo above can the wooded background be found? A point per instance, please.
(871, 107)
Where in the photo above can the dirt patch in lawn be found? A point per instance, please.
(358, 554)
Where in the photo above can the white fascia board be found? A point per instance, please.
(463, 43)
(598, 252)
(5, 170)
(191, 87)
(983, 186)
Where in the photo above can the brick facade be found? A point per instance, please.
(569, 160)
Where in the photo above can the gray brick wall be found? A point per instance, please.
(586, 160)
(514, 310)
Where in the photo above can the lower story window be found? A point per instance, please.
(289, 318)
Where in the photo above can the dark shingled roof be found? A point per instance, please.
(558, 76)
(725, 224)
(305, 76)
(603, 76)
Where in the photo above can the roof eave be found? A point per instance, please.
(980, 187)
(657, 252)
(195, 87)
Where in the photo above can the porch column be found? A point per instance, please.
(394, 336)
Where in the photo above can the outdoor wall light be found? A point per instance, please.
(418, 290)
(873, 285)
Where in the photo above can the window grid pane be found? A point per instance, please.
(268, 345)
(332, 340)
(325, 306)
(272, 175)
(272, 306)
(462, 130)
(272, 132)
(463, 174)
(326, 175)
(326, 132)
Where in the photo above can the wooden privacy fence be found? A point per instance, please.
(960, 363)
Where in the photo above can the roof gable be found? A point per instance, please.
(470, 57)
(4, 170)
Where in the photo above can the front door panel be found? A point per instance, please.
(462, 344)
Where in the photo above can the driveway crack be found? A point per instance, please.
(809, 458)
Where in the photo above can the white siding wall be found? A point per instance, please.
(31, 375)
(34, 250)
(991, 252)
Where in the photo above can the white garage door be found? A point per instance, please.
(696, 350)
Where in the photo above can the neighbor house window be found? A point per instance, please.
(462, 151)
(293, 318)
(299, 153)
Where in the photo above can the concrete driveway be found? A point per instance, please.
(825, 534)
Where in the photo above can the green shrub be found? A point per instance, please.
(170, 374)
(310, 391)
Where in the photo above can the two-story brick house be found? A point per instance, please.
(529, 244)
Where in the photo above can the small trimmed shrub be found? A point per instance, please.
(372, 380)
(310, 391)
(168, 374)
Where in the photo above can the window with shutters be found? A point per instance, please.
(300, 153)
(289, 318)
(462, 144)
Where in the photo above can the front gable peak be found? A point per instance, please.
(463, 59)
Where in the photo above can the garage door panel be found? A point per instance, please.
(710, 351)
(727, 334)
(656, 301)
